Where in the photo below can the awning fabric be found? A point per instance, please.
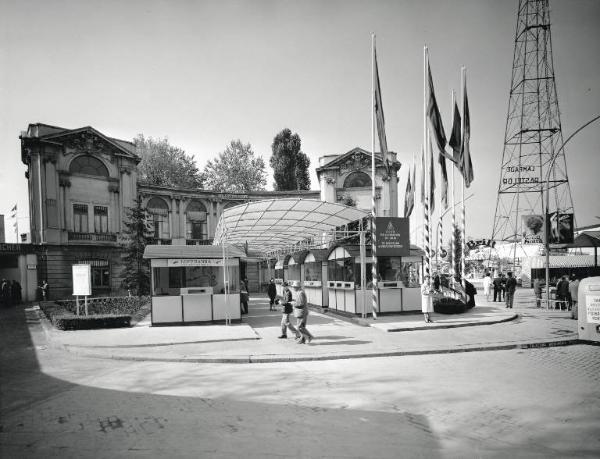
(277, 224)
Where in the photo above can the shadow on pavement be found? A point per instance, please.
(43, 416)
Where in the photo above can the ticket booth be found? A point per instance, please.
(194, 284)
(315, 277)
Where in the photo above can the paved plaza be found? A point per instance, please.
(520, 390)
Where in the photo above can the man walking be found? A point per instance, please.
(574, 293)
(498, 287)
(286, 303)
(272, 292)
(562, 292)
(301, 314)
(509, 292)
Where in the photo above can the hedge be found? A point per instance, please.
(448, 305)
(71, 322)
(124, 305)
(105, 312)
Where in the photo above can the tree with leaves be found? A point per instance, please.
(290, 165)
(236, 170)
(165, 165)
(137, 233)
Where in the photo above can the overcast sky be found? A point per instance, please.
(203, 73)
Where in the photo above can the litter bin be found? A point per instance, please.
(588, 311)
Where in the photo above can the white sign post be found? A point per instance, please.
(82, 284)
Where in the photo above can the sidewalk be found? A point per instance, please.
(489, 326)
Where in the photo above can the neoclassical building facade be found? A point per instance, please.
(81, 182)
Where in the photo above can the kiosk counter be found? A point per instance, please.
(194, 284)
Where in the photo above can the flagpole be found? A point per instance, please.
(452, 242)
(373, 208)
(426, 197)
(463, 77)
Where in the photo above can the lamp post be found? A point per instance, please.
(546, 205)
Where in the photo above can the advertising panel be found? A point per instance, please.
(561, 228)
(82, 280)
(393, 236)
(533, 229)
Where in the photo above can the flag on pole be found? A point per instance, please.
(455, 139)
(435, 119)
(423, 172)
(444, 175)
(379, 113)
(14, 212)
(431, 180)
(467, 165)
(409, 197)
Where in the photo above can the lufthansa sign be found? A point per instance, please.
(393, 236)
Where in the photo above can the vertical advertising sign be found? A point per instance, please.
(393, 236)
(561, 228)
(533, 229)
(82, 280)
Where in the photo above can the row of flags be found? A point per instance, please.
(460, 157)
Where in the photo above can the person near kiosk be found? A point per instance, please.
(272, 293)
(286, 310)
(301, 314)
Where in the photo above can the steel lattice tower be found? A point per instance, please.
(533, 130)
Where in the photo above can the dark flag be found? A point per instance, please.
(455, 139)
(444, 184)
(431, 179)
(435, 118)
(379, 114)
(467, 165)
(409, 196)
(423, 172)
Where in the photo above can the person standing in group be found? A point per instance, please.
(272, 292)
(286, 309)
(244, 295)
(45, 291)
(487, 283)
(426, 300)
(574, 292)
(301, 314)
(537, 290)
(562, 292)
(498, 287)
(509, 290)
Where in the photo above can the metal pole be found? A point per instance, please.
(373, 208)
(547, 207)
(462, 137)
(363, 273)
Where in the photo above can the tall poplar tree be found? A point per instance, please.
(137, 233)
(290, 165)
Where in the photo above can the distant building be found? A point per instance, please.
(81, 181)
(2, 233)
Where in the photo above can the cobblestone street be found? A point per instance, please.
(522, 403)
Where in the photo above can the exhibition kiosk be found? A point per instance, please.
(194, 284)
(315, 277)
(398, 287)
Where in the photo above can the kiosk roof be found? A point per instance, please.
(191, 251)
(275, 224)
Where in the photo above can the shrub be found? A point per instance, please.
(447, 305)
(123, 305)
(71, 322)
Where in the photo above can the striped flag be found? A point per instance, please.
(379, 113)
(467, 165)
(409, 196)
(455, 139)
(431, 180)
(435, 119)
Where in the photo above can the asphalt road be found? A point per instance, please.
(521, 403)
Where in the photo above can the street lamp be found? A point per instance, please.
(546, 206)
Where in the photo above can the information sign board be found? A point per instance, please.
(592, 307)
(393, 236)
(82, 280)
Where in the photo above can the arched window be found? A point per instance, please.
(159, 213)
(357, 180)
(88, 165)
(195, 221)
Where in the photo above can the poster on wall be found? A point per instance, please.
(533, 229)
(393, 236)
